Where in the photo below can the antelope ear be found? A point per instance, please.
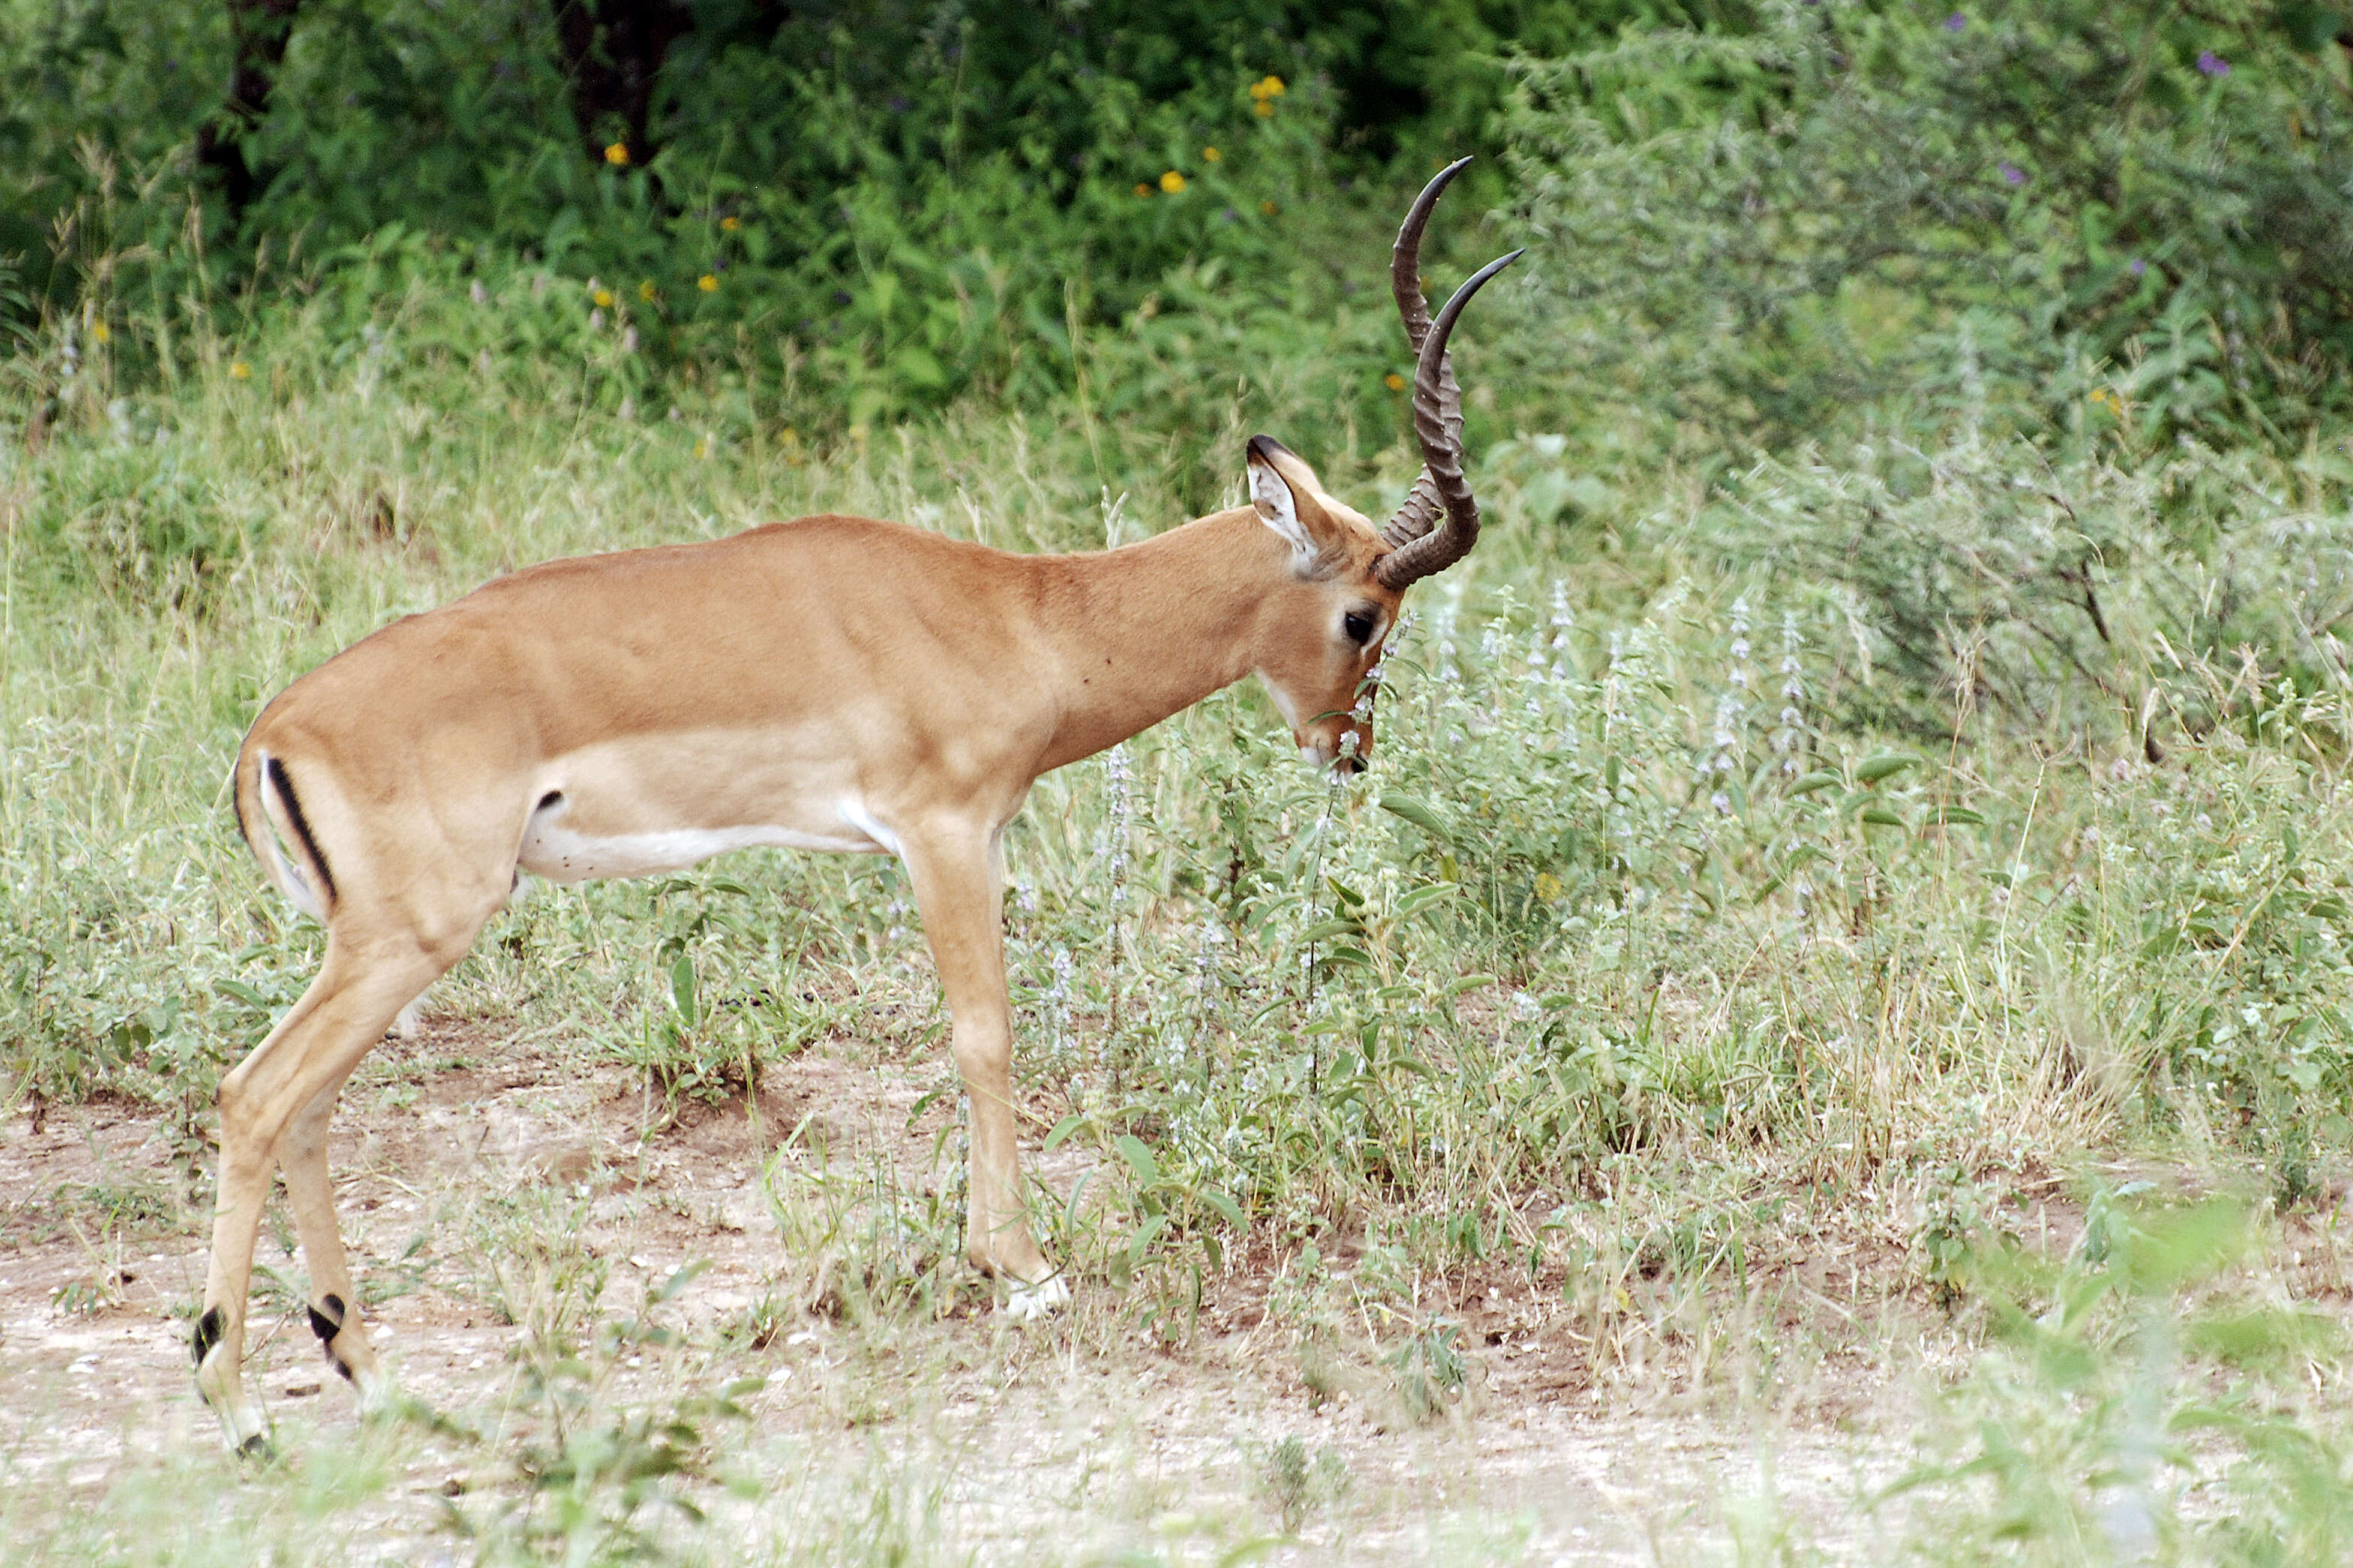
(1271, 494)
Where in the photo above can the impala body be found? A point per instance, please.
(832, 683)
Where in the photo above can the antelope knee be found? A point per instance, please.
(982, 1052)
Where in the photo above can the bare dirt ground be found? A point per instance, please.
(475, 1170)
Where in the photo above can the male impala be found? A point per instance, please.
(831, 683)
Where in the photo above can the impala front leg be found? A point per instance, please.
(960, 894)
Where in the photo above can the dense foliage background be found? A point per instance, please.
(2013, 340)
(1887, 747)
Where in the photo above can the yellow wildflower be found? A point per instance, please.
(1210, 154)
(102, 332)
(1172, 182)
(1548, 886)
(1266, 87)
(1394, 382)
(707, 283)
(731, 222)
(617, 155)
(645, 290)
(702, 446)
(1142, 189)
(1269, 208)
(1263, 110)
(239, 370)
(603, 297)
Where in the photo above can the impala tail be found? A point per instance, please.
(270, 816)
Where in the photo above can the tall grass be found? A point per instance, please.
(1635, 943)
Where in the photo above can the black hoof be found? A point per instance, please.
(257, 1448)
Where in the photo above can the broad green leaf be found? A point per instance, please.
(1139, 1158)
(1228, 1210)
(1415, 812)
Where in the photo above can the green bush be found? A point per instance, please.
(897, 204)
(2085, 596)
(1902, 217)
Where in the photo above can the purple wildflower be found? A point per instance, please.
(2211, 64)
(2011, 175)
(2136, 266)
(1956, 23)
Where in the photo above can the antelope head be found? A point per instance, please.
(1349, 577)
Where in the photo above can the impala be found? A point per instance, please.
(831, 683)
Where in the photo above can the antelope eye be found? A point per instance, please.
(1358, 627)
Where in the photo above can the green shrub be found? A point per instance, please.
(2085, 596)
(1903, 216)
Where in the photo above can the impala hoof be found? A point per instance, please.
(1026, 1303)
(381, 1398)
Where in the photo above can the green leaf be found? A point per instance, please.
(1418, 813)
(1063, 1129)
(1871, 770)
(681, 1278)
(1143, 1237)
(1228, 1210)
(682, 989)
(238, 990)
(1421, 898)
(1956, 816)
(1817, 779)
(1139, 1158)
(1881, 816)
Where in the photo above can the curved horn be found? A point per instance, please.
(1437, 426)
(1421, 508)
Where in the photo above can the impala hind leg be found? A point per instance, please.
(313, 1049)
(334, 1304)
(961, 897)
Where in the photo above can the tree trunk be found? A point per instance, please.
(613, 52)
(260, 29)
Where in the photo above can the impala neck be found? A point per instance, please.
(1149, 629)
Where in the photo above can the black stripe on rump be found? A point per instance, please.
(285, 788)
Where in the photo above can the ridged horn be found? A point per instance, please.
(1440, 499)
(1420, 509)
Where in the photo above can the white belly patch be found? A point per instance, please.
(558, 853)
